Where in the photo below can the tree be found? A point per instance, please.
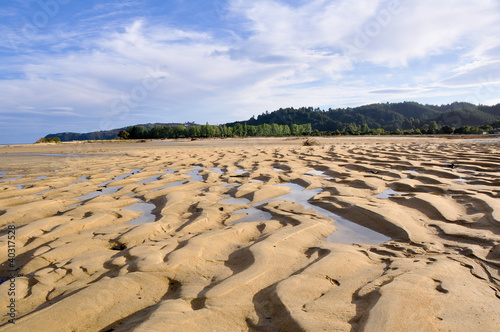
(210, 130)
(463, 130)
(433, 127)
(252, 131)
(194, 131)
(138, 132)
(123, 134)
(49, 140)
(286, 130)
(276, 130)
(238, 130)
(179, 131)
(446, 130)
(364, 128)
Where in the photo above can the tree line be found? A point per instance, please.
(411, 128)
(276, 130)
(375, 119)
(207, 130)
(390, 117)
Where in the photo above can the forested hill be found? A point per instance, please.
(389, 116)
(397, 118)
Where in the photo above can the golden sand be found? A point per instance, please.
(88, 262)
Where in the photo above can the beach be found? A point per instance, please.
(352, 234)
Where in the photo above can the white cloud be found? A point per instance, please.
(426, 28)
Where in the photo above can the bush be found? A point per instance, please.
(310, 142)
(123, 134)
(49, 140)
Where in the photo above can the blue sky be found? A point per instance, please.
(68, 65)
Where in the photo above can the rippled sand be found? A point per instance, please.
(189, 236)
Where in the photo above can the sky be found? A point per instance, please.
(81, 66)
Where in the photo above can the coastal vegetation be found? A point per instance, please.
(407, 118)
(49, 140)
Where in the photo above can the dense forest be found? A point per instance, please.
(237, 130)
(389, 117)
(376, 119)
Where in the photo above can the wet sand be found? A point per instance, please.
(356, 234)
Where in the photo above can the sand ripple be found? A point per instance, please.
(86, 266)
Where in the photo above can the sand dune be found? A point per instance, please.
(183, 236)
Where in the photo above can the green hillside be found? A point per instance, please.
(383, 118)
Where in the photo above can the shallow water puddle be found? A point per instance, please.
(347, 232)
(232, 200)
(253, 214)
(239, 172)
(105, 191)
(11, 179)
(151, 179)
(147, 215)
(195, 176)
(81, 179)
(173, 184)
(157, 177)
(388, 193)
(121, 177)
(315, 172)
(318, 173)
(216, 170)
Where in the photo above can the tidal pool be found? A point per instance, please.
(315, 172)
(151, 179)
(195, 176)
(347, 232)
(147, 213)
(11, 179)
(388, 193)
(217, 170)
(106, 190)
(232, 200)
(121, 177)
(173, 184)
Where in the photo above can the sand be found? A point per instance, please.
(144, 236)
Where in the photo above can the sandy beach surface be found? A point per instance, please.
(355, 234)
